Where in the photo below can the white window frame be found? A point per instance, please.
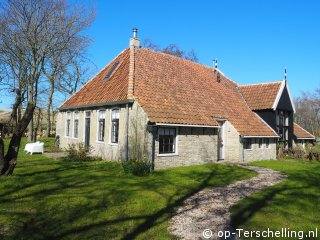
(75, 117)
(84, 124)
(98, 115)
(110, 127)
(68, 117)
(176, 153)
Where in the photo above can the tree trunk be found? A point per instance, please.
(9, 162)
(30, 130)
(48, 109)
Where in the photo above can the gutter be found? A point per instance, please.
(259, 136)
(185, 125)
(97, 104)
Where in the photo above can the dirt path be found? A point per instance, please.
(209, 209)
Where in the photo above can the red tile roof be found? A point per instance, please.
(260, 96)
(174, 90)
(99, 90)
(300, 132)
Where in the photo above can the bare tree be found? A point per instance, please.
(32, 31)
(172, 49)
(308, 111)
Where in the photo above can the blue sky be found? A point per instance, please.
(253, 40)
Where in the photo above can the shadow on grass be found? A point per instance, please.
(53, 199)
(295, 198)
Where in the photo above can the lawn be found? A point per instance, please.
(293, 204)
(55, 199)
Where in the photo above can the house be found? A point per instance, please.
(170, 111)
(273, 103)
(301, 136)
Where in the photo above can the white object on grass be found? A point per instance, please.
(36, 147)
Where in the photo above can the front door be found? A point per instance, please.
(221, 141)
(87, 131)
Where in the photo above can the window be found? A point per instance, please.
(260, 142)
(167, 140)
(114, 66)
(267, 142)
(75, 124)
(247, 143)
(114, 125)
(68, 124)
(101, 123)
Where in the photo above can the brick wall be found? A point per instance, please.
(194, 146)
(263, 153)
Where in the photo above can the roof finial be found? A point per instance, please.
(216, 63)
(135, 32)
(285, 73)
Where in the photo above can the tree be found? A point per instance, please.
(32, 33)
(171, 49)
(308, 111)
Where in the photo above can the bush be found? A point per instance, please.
(136, 167)
(297, 152)
(78, 152)
(313, 152)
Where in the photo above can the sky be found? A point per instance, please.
(253, 40)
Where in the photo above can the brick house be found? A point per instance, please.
(170, 111)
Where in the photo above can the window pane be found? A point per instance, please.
(101, 130)
(114, 131)
(167, 140)
(115, 114)
(76, 123)
(102, 114)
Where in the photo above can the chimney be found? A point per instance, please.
(134, 41)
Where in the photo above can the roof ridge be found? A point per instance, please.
(183, 59)
(256, 84)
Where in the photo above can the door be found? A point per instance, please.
(87, 131)
(221, 141)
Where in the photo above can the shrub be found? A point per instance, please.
(313, 152)
(78, 152)
(280, 151)
(136, 167)
(297, 152)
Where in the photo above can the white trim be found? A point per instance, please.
(260, 136)
(306, 138)
(176, 153)
(110, 126)
(167, 154)
(276, 101)
(84, 125)
(267, 125)
(74, 124)
(66, 123)
(184, 125)
(98, 113)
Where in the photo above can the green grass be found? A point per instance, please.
(55, 199)
(293, 204)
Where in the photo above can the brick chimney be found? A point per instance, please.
(134, 43)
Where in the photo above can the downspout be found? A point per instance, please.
(241, 141)
(153, 130)
(127, 134)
